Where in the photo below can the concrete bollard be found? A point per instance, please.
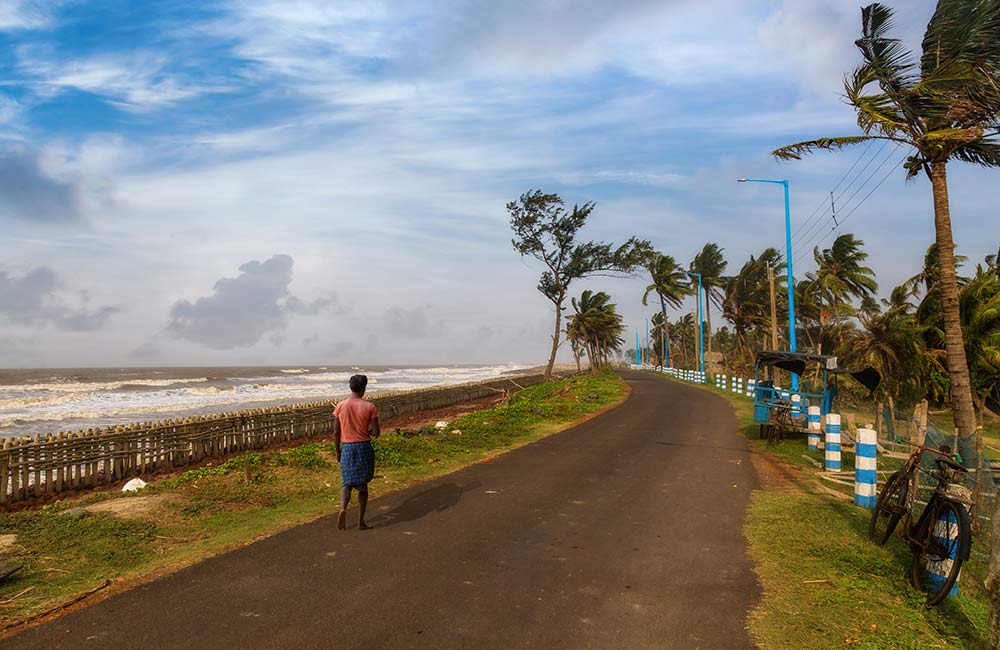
(724, 383)
(751, 386)
(796, 405)
(865, 463)
(832, 443)
(814, 427)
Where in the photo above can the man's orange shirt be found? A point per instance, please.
(355, 416)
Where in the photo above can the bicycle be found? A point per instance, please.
(941, 538)
(779, 419)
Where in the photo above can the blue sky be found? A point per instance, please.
(324, 182)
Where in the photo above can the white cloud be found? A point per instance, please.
(24, 14)
(136, 81)
(39, 297)
(243, 309)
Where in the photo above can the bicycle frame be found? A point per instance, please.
(916, 532)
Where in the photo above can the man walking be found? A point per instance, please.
(355, 423)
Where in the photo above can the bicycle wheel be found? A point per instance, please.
(936, 566)
(889, 508)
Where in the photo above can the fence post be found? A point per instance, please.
(814, 428)
(796, 405)
(865, 464)
(832, 442)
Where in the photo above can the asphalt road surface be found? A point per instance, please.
(623, 532)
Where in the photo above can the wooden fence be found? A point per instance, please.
(52, 463)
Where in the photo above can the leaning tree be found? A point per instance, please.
(545, 230)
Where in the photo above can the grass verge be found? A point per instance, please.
(72, 546)
(824, 585)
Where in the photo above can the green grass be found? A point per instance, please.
(862, 597)
(214, 508)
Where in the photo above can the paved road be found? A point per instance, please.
(624, 532)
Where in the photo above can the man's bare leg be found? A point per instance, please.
(363, 503)
(345, 498)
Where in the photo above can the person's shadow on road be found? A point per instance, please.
(436, 499)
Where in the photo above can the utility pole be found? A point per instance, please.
(774, 309)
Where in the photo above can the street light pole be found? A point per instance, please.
(701, 328)
(788, 261)
(646, 351)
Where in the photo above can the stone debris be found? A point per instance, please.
(134, 485)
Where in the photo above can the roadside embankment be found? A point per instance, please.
(72, 546)
(824, 584)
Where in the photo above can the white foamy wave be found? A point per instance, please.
(54, 405)
(40, 400)
(206, 390)
(295, 371)
(85, 387)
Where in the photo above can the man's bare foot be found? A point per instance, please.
(342, 520)
(363, 526)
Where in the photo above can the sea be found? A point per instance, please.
(53, 400)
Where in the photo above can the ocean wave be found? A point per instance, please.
(295, 371)
(84, 387)
(39, 400)
(27, 408)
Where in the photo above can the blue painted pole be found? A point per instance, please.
(637, 347)
(701, 327)
(646, 351)
(788, 267)
(701, 330)
(791, 282)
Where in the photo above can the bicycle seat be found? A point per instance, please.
(948, 463)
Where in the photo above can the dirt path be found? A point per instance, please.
(623, 532)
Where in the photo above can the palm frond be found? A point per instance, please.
(795, 151)
(983, 152)
(890, 63)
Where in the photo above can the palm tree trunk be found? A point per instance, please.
(958, 368)
(555, 341)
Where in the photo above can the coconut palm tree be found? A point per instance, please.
(944, 107)
(711, 265)
(747, 302)
(889, 341)
(597, 325)
(980, 306)
(842, 275)
(669, 282)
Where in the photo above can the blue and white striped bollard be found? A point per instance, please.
(832, 443)
(814, 428)
(796, 405)
(865, 464)
(946, 532)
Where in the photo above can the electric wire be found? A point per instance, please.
(818, 232)
(854, 209)
(809, 232)
(823, 203)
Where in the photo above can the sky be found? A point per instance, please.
(324, 182)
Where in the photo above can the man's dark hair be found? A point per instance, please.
(358, 383)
